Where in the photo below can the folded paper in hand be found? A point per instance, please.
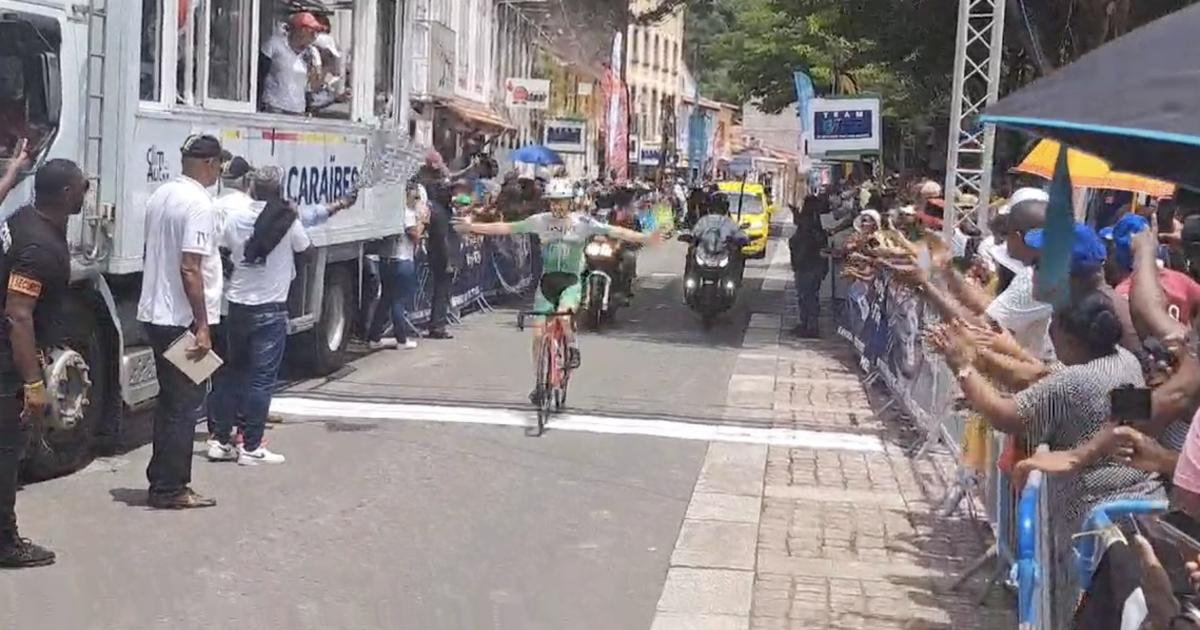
(199, 371)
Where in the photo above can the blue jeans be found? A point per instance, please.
(255, 337)
(399, 279)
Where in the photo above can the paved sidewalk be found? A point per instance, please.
(842, 535)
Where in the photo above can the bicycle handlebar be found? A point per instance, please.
(521, 315)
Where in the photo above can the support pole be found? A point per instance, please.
(969, 155)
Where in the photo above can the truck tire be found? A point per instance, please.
(323, 349)
(55, 452)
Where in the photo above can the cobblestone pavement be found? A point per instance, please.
(852, 539)
(845, 538)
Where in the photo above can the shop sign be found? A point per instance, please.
(650, 155)
(565, 136)
(527, 93)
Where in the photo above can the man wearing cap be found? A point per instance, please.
(294, 68)
(1181, 291)
(1088, 256)
(181, 292)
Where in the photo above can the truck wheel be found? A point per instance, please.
(60, 448)
(324, 347)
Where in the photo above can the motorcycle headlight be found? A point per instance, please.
(716, 260)
(606, 249)
(592, 249)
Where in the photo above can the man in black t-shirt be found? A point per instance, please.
(36, 270)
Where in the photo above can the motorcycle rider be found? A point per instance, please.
(718, 230)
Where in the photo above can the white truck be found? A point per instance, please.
(117, 85)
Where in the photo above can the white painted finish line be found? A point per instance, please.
(297, 407)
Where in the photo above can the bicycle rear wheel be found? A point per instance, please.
(544, 387)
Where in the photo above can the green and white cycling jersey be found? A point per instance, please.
(563, 240)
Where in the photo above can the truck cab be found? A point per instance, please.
(117, 87)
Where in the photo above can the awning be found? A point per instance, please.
(476, 113)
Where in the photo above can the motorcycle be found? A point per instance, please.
(710, 282)
(602, 279)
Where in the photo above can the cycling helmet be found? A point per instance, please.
(559, 188)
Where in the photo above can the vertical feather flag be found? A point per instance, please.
(1054, 265)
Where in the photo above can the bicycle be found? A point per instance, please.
(553, 367)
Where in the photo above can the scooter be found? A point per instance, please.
(711, 278)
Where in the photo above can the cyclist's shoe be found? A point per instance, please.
(535, 397)
(574, 358)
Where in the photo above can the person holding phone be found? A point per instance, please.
(1068, 407)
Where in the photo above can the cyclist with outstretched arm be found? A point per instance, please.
(564, 233)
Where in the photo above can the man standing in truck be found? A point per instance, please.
(36, 271)
(181, 293)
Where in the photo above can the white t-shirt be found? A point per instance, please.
(287, 82)
(1016, 310)
(401, 246)
(180, 217)
(268, 283)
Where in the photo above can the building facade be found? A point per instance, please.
(654, 72)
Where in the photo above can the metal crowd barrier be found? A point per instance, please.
(883, 322)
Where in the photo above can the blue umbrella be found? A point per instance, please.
(536, 154)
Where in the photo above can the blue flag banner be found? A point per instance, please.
(804, 96)
(1054, 264)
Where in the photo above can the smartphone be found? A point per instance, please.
(1130, 404)
(1184, 532)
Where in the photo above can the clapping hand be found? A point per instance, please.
(950, 342)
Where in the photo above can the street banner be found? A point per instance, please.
(616, 124)
(804, 96)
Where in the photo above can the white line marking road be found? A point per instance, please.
(297, 407)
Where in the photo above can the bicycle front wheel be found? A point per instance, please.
(545, 387)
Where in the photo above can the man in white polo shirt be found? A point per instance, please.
(181, 291)
(255, 332)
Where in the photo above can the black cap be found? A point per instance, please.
(235, 168)
(201, 146)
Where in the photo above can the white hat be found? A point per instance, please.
(864, 214)
(1028, 194)
(559, 188)
(930, 188)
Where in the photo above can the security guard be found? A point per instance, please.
(36, 269)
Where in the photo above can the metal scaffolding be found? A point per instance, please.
(976, 85)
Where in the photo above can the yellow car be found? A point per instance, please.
(751, 209)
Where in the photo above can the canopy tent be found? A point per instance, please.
(1089, 171)
(1132, 101)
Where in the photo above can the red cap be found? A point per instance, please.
(304, 19)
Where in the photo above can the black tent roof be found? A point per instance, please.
(1134, 101)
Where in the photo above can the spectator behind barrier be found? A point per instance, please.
(1066, 408)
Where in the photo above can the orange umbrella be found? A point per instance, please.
(1090, 171)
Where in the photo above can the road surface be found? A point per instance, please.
(381, 521)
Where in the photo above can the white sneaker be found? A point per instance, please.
(218, 452)
(410, 344)
(382, 344)
(259, 456)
